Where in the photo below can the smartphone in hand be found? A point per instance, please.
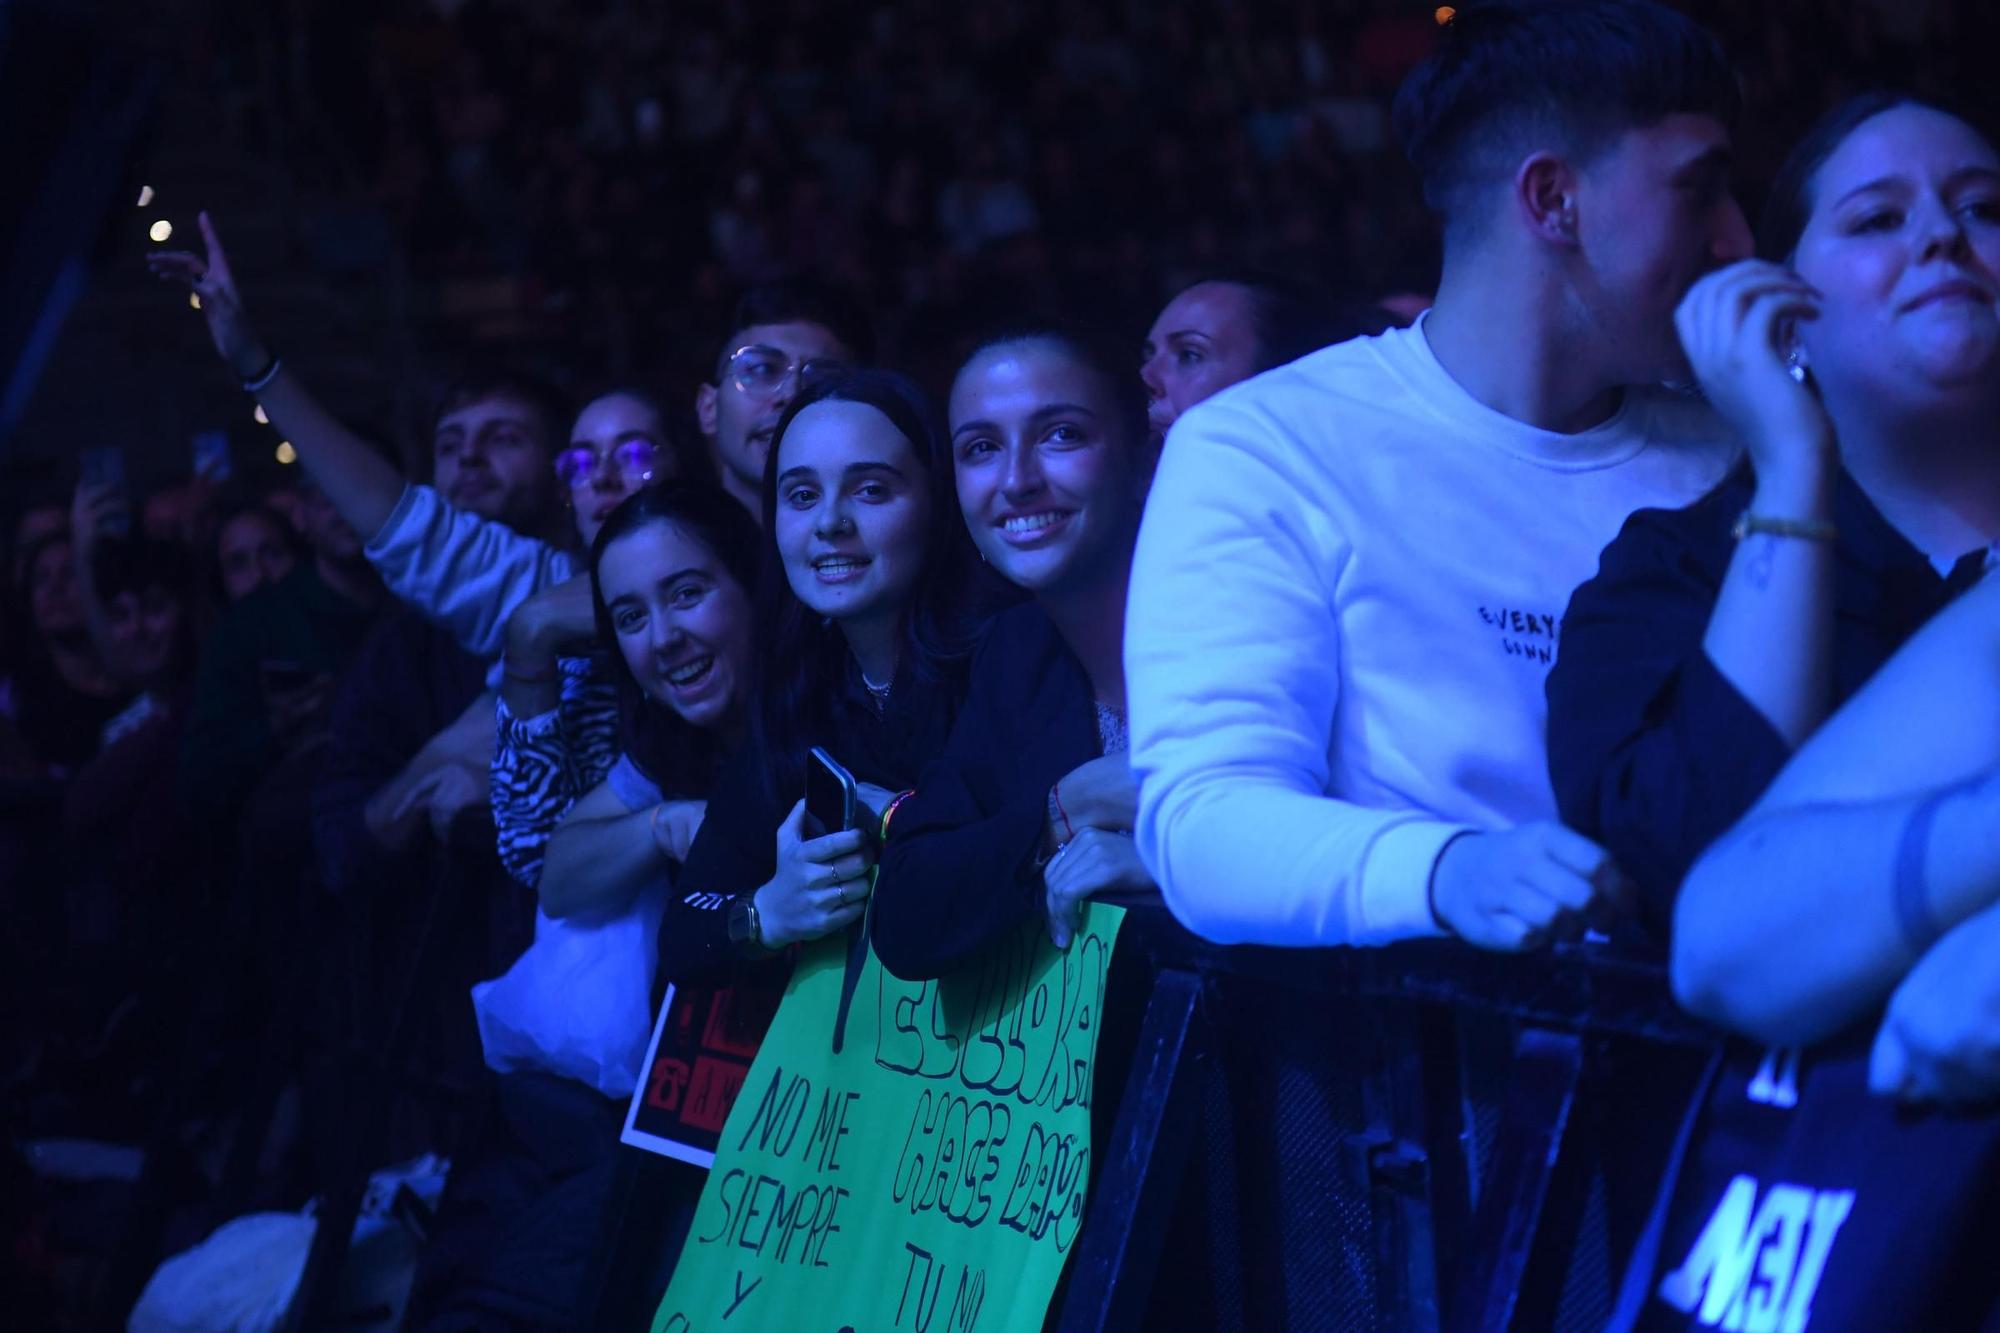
(211, 455)
(830, 795)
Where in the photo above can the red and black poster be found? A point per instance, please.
(703, 1042)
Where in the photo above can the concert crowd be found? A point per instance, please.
(1516, 480)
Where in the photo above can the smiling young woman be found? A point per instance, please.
(671, 574)
(1029, 810)
(864, 647)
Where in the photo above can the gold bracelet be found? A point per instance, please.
(1806, 529)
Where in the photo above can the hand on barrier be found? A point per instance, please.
(1940, 1039)
(1101, 794)
(1520, 888)
(208, 276)
(675, 824)
(1735, 327)
(1094, 861)
(821, 884)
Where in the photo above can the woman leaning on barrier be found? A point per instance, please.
(1029, 810)
(862, 655)
(672, 571)
(558, 707)
(1860, 362)
(1027, 814)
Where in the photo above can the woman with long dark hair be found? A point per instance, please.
(1029, 809)
(671, 575)
(1737, 660)
(1859, 360)
(863, 656)
(672, 570)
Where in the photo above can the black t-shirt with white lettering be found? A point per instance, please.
(1806, 1205)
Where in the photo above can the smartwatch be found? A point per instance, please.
(746, 928)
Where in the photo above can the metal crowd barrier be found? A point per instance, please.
(1421, 1137)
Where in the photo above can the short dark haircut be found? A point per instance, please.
(548, 403)
(805, 657)
(1584, 72)
(1795, 188)
(800, 301)
(1292, 316)
(1110, 359)
(679, 758)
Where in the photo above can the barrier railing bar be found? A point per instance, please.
(1533, 1117)
(1111, 1275)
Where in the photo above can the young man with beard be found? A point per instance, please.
(1348, 584)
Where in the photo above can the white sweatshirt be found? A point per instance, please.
(463, 572)
(1344, 605)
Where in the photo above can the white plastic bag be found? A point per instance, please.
(578, 1003)
(240, 1280)
(245, 1276)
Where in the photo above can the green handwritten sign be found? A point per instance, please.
(929, 1176)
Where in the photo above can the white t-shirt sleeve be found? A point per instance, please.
(463, 572)
(1232, 651)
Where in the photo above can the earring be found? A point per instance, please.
(1795, 366)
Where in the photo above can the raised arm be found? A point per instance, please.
(544, 760)
(1880, 835)
(360, 482)
(1771, 633)
(93, 508)
(1693, 663)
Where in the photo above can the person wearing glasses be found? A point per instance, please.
(558, 707)
(558, 710)
(782, 334)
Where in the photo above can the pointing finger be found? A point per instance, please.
(218, 262)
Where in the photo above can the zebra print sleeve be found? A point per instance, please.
(543, 764)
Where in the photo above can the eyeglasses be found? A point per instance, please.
(762, 371)
(637, 457)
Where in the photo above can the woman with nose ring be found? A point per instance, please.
(863, 655)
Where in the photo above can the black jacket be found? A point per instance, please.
(958, 869)
(736, 850)
(1652, 752)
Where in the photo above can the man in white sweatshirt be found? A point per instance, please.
(1352, 570)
